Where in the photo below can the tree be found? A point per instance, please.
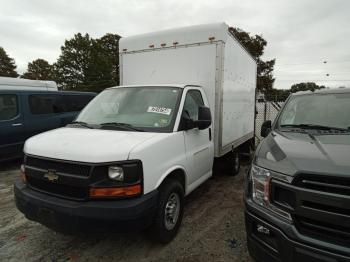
(255, 45)
(88, 64)
(277, 95)
(110, 44)
(39, 69)
(72, 65)
(7, 65)
(305, 87)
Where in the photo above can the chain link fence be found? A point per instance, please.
(267, 109)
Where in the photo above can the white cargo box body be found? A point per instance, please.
(10, 83)
(205, 55)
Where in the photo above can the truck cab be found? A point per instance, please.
(146, 146)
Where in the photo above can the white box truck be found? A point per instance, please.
(134, 153)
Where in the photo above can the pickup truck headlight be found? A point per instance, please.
(261, 183)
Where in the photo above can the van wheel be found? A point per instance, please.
(169, 212)
(233, 164)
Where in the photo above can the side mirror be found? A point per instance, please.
(187, 124)
(266, 128)
(204, 118)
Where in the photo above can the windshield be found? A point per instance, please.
(323, 110)
(143, 108)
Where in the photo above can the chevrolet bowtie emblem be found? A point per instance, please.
(51, 175)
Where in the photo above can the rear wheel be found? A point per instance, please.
(169, 212)
(236, 164)
(232, 163)
(228, 164)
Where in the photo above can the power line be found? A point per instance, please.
(316, 80)
(314, 63)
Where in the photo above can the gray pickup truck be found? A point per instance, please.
(297, 192)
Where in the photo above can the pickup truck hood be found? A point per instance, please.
(291, 152)
(85, 145)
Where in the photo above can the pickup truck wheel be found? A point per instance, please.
(169, 212)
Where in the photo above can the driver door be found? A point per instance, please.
(198, 143)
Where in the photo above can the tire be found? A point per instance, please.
(236, 165)
(170, 208)
(233, 164)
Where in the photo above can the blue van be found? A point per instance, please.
(25, 113)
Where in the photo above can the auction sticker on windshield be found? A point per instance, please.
(159, 110)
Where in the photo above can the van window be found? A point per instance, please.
(50, 104)
(8, 107)
(43, 104)
(192, 102)
(75, 103)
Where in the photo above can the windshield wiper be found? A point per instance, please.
(315, 127)
(80, 123)
(124, 126)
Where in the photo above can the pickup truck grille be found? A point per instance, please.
(328, 184)
(319, 205)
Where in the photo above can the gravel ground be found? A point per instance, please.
(212, 230)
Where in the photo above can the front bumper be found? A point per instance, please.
(283, 243)
(96, 215)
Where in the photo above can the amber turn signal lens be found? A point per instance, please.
(96, 192)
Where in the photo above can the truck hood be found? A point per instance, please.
(85, 145)
(291, 153)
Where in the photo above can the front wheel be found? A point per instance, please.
(169, 212)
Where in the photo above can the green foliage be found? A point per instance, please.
(282, 94)
(39, 69)
(305, 87)
(110, 45)
(7, 64)
(255, 45)
(276, 95)
(88, 64)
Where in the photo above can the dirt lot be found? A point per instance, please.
(212, 230)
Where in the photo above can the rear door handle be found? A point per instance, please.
(17, 124)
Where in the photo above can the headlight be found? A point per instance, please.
(261, 182)
(261, 185)
(116, 173)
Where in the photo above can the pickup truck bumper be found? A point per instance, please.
(277, 244)
(96, 215)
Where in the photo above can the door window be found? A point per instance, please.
(192, 102)
(44, 104)
(8, 107)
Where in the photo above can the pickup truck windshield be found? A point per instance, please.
(317, 111)
(151, 109)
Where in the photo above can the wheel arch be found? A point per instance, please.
(176, 172)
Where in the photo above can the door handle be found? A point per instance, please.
(17, 124)
(209, 134)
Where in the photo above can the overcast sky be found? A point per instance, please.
(301, 34)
